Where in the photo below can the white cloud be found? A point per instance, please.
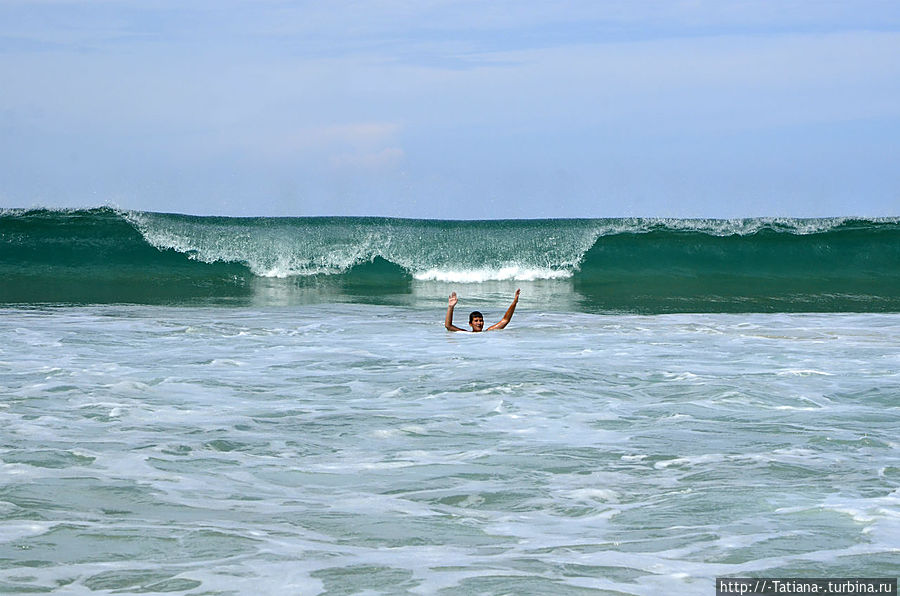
(389, 157)
(362, 134)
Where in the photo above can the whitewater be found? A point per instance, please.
(195, 405)
(591, 265)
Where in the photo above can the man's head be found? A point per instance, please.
(476, 320)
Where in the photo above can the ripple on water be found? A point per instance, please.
(230, 451)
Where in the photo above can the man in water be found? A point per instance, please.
(476, 319)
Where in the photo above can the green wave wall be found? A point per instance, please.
(635, 265)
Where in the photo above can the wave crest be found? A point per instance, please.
(446, 251)
(642, 265)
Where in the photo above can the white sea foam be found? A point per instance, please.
(503, 461)
(804, 372)
(511, 272)
(10, 531)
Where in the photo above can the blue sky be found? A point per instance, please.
(453, 109)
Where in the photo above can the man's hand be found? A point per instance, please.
(448, 320)
(509, 313)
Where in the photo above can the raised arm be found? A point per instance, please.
(448, 320)
(509, 313)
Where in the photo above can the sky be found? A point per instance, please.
(453, 109)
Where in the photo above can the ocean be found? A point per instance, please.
(210, 405)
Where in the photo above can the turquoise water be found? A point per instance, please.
(339, 447)
(208, 405)
(645, 266)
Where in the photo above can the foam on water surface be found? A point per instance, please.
(348, 448)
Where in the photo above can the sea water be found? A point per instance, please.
(646, 266)
(213, 405)
(339, 447)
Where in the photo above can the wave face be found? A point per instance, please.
(635, 265)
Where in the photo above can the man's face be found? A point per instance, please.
(477, 323)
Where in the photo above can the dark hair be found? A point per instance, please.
(474, 314)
